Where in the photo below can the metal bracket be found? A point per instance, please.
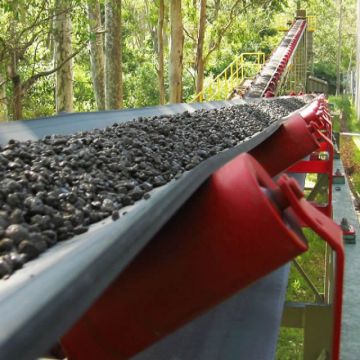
(317, 116)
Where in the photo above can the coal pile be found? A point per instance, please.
(55, 188)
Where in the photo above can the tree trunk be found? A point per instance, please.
(3, 104)
(97, 53)
(16, 101)
(113, 55)
(357, 83)
(63, 51)
(338, 54)
(17, 98)
(176, 52)
(160, 36)
(199, 48)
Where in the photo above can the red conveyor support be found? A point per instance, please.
(298, 137)
(231, 232)
(317, 113)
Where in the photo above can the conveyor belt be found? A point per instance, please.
(277, 62)
(41, 301)
(67, 124)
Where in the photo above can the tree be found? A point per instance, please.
(62, 55)
(113, 55)
(140, 52)
(97, 53)
(200, 63)
(154, 13)
(176, 52)
(217, 20)
(25, 49)
(339, 46)
(3, 107)
(160, 52)
(357, 85)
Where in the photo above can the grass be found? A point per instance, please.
(290, 344)
(350, 155)
(313, 262)
(350, 151)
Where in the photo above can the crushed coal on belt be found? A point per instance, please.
(55, 188)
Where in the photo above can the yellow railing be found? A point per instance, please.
(283, 22)
(245, 66)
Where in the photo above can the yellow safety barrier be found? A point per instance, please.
(311, 23)
(245, 66)
(283, 22)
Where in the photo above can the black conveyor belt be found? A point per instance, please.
(41, 301)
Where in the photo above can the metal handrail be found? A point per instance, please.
(284, 22)
(233, 74)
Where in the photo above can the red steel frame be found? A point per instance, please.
(218, 243)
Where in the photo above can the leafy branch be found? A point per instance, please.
(31, 81)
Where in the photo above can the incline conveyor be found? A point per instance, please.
(267, 81)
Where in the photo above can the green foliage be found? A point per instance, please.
(350, 147)
(344, 104)
(232, 27)
(250, 31)
(355, 177)
(326, 72)
(83, 91)
(290, 344)
(140, 87)
(40, 99)
(313, 261)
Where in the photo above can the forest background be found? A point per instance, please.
(63, 56)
